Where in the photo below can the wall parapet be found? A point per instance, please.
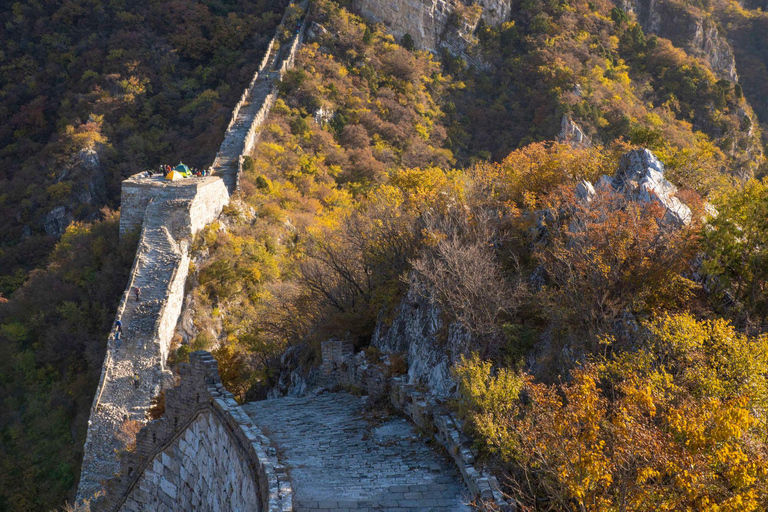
(341, 365)
(199, 392)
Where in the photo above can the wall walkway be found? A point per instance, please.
(134, 367)
(340, 461)
(168, 215)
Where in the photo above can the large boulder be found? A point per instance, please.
(640, 177)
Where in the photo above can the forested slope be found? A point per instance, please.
(386, 172)
(601, 370)
(91, 92)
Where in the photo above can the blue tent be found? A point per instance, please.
(183, 169)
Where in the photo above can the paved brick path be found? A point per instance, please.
(339, 461)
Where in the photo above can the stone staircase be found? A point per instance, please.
(339, 460)
(226, 163)
(134, 367)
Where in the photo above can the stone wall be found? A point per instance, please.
(286, 58)
(168, 215)
(204, 454)
(134, 367)
(341, 365)
(207, 197)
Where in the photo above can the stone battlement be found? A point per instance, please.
(138, 191)
(204, 453)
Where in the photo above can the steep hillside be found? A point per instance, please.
(92, 92)
(520, 220)
(519, 282)
(358, 114)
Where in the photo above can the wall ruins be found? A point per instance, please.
(168, 215)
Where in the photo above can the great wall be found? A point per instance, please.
(314, 453)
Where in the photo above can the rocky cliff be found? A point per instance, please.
(437, 24)
(688, 28)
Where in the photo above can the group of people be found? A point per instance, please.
(164, 170)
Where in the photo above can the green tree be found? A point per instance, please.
(737, 249)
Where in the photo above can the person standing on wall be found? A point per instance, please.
(118, 332)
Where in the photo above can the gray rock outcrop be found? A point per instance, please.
(640, 177)
(56, 221)
(688, 29)
(431, 348)
(571, 133)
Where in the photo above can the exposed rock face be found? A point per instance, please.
(56, 221)
(436, 24)
(697, 33)
(641, 177)
(430, 346)
(572, 134)
(88, 188)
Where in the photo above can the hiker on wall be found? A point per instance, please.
(118, 332)
(137, 291)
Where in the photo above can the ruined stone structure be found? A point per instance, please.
(313, 453)
(424, 409)
(168, 215)
(203, 454)
(134, 367)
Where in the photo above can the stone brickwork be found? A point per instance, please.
(201, 470)
(168, 215)
(134, 367)
(422, 409)
(204, 454)
(341, 461)
(335, 354)
(206, 197)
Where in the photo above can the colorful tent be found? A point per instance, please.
(174, 175)
(183, 169)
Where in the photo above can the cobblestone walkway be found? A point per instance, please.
(339, 461)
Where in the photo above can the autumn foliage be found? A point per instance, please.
(677, 424)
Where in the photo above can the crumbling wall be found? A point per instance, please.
(203, 454)
(168, 213)
(342, 365)
(134, 366)
(207, 197)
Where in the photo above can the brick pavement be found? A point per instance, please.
(339, 461)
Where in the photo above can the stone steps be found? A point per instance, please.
(338, 460)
